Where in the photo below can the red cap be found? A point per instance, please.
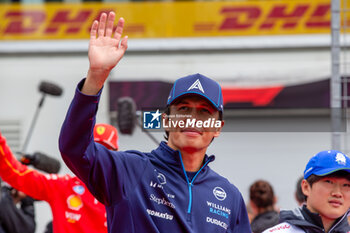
(106, 135)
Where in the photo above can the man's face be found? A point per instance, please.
(192, 138)
(329, 197)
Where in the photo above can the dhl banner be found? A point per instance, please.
(168, 19)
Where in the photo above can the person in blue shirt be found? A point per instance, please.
(170, 189)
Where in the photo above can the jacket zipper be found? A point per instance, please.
(190, 184)
(344, 216)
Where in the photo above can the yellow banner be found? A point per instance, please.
(167, 19)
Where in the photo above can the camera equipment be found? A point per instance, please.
(41, 161)
(127, 117)
(50, 88)
(46, 88)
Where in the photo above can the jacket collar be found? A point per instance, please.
(172, 158)
(338, 226)
(312, 217)
(302, 217)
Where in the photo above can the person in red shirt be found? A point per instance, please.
(74, 208)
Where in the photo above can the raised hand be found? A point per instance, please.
(105, 51)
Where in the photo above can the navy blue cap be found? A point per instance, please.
(327, 162)
(200, 85)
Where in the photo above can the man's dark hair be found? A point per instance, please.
(261, 194)
(167, 112)
(338, 174)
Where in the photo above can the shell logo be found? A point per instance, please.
(100, 130)
(74, 202)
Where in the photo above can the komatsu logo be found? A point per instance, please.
(160, 214)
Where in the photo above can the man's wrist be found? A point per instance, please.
(94, 82)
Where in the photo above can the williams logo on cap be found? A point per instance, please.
(196, 85)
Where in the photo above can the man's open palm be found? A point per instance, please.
(105, 49)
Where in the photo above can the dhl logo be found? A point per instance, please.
(279, 17)
(38, 23)
(251, 18)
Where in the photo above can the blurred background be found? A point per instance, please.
(282, 65)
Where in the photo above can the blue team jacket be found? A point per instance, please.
(148, 192)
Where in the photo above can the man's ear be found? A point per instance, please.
(305, 187)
